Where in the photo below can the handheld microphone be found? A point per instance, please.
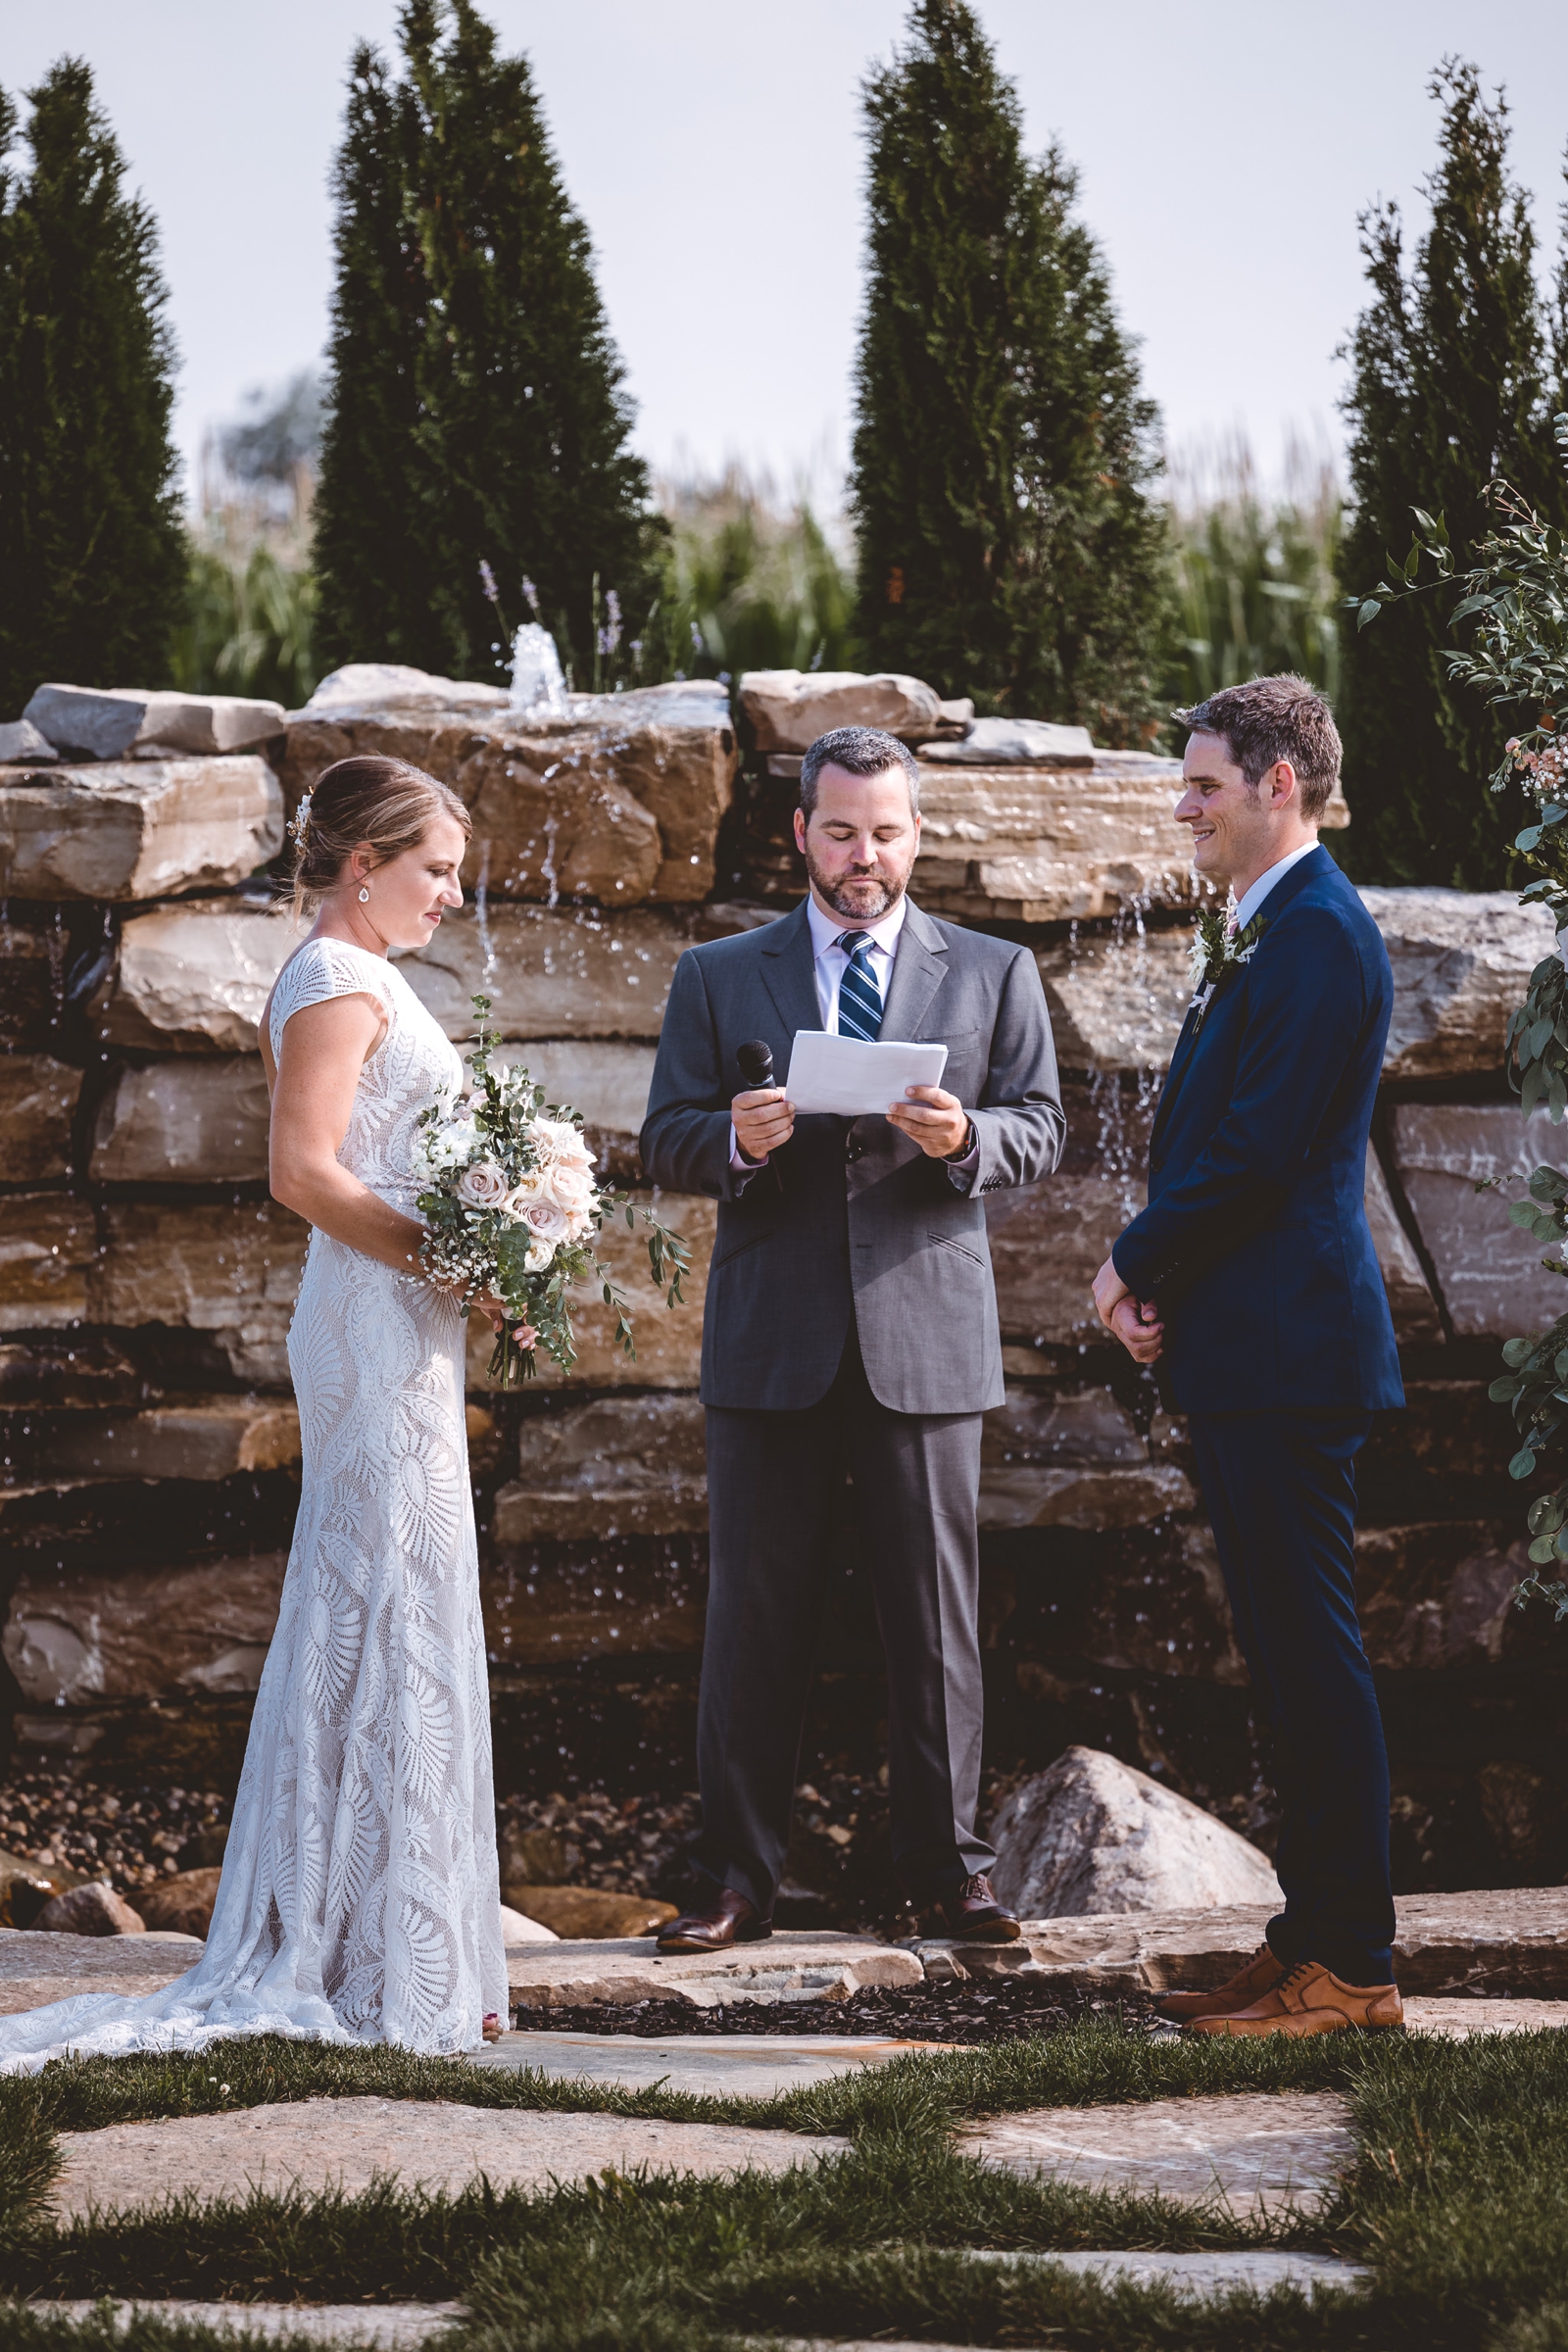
(754, 1060)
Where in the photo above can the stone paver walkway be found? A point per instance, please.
(1258, 2150)
(742, 2065)
(1260, 2268)
(427, 2142)
(387, 2326)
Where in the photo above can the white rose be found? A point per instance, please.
(483, 1186)
(546, 1221)
(530, 1186)
(538, 1257)
(569, 1188)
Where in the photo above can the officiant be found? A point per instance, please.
(851, 1329)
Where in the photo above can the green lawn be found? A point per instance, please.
(1459, 2204)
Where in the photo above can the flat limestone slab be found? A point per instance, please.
(388, 2327)
(1457, 2020)
(1512, 1938)
(749, 2066)
(821, 1967)
(429, 2143)
(1257, 2150)
(35, 1968)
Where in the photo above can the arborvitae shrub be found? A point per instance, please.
(1457, 367)
(477, 411)
(1008, 548)
(92, 546)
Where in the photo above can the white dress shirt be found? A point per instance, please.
(1254, 899)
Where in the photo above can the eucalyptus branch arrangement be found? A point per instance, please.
(1514, 608)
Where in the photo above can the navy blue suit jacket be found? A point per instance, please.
(1256, 1241)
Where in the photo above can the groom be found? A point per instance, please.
(1253, 1271)
(851, 1326)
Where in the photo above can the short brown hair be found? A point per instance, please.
(388, 803)
(858, 751)
(1275, 719)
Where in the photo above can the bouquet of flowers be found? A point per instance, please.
(513, 1207)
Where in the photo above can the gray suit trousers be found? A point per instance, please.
(776, 1486)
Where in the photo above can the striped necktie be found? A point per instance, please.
(860, 998)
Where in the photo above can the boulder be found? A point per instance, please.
(34, 960)
(74, 1636)
(204, 1438)
(184, 1122)
(557, 1606)
(1463, 960)
(194, 978)
(668, 1341)
(1439, 1597)
(1414, 1310)
(181, 1906)
(617, 801)
(25, 1886)
(1118, 999)
(621, 1466)
(606, 1080)
(1489, 1273)
(91, 1909)
(1093, 1836)
(787, 710)
(108, 723)
(137, 830)
(1015, 742)
(395, 686)
(22, 745)
(1072, 1461)
(229, 1268)
(588, 1914)
(37, 1101)
(516, 1929)
(48, 1246)
(1048, 1242)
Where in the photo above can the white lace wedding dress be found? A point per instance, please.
(360, 1899)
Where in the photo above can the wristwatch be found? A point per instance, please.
(971, 1139)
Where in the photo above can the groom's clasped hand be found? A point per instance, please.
(1136, 1322)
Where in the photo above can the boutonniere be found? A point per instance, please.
(1218, 953)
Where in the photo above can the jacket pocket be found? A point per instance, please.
(945, 1241)
(753, 1241)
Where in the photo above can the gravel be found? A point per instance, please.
(130, 1836)
(1004, 2010)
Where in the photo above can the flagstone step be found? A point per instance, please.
(385, 2327)
(753, 2066)
(823, 1966)
(1256, 2151)
(427, 2143)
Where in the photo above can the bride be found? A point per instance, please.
(360, 1898)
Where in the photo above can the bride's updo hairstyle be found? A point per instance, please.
(387, 803)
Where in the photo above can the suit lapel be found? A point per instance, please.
(788, 973)
(919, 970)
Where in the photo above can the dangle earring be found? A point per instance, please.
(364, 897)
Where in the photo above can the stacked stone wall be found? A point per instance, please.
(146, 1279)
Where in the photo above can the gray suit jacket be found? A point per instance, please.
(850, 1216)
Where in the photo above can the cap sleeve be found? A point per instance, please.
(321, 970)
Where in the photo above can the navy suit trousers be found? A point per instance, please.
(1280, 1488)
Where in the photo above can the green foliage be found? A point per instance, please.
(476, 409)
(1009, 547)
(250, 618)
(1455, 375)
(745, 586)
(1256, 591)
(93, 575)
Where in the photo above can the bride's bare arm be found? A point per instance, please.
(323, 1049)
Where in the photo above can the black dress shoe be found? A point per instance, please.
(732, 1920)
(974, 1916)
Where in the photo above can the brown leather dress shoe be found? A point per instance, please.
(1260, 1975)
(1312, 2000)
(731, 1920)
(974, 1916)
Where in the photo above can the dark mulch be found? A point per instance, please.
(1006, 2009)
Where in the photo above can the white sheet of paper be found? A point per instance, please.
(846, 1076)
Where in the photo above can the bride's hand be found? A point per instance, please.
(494, 1310)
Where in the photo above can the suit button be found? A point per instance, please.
(854, 1150)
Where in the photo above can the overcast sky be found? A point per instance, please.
(713, 147)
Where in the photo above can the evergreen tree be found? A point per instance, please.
(92, 546)
(475, 404)
(1454, 382)
(1009, 547)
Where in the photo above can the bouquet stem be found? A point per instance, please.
(510, 1364)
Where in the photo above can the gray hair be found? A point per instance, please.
(859, 751)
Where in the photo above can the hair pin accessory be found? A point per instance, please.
(300, 825)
